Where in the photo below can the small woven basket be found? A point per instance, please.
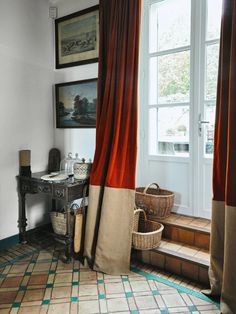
(59, 223)
(82, 170)
(146, 233)
(155, 201)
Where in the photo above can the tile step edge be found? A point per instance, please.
(182, 226)
(181, 256)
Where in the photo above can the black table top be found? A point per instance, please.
(36, 176)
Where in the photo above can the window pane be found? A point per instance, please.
(153, 27)
(168, 31)
(212, 59)
(153, 131)
(173, 130)
(214, 8)
(174, 77)
(153, 81)
(209, 129)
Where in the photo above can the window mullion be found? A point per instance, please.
(212, 42)
(169, 51)
(177, 104)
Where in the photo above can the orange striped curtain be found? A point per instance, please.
(112, 182)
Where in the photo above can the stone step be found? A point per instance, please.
(178, 258)
(186, 229)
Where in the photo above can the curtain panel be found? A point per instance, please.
(112, 182)
(222, 270)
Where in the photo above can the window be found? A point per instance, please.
(182, 62)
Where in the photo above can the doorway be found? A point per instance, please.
(178, 77)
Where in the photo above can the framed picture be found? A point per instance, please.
(76, 104)
(77, 38)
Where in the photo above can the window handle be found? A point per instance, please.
(200, 122)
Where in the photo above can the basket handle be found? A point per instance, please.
(139, 210)
(147, 187)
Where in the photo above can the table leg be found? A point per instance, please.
(69, 235)
(22, 222)
(54, 205)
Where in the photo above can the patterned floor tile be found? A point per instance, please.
(138, 286)
(119, 304)
(11, 282)
(30, 310)
(63, 277)
(5, 311)
(18, 268)
(88, 276)
(7, 297)
(114, 288)
(146, 302)
(34, 280)
(87, 307)
(61, 292)
(38, 279)
(173, 300)
(85, 290)
(34, 295)
(59, 308)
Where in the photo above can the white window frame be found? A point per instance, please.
(197, 78)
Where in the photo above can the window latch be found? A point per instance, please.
(200, 123)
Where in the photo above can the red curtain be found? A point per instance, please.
(112, 181)
(116, 142)
(224, 180)
(222, 270)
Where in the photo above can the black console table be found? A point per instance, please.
(66, 191)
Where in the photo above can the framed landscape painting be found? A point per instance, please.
(76, 104)
(77, 38)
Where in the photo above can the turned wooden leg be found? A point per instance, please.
(22, 221)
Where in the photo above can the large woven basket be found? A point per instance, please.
(146, 233)
(155, 201)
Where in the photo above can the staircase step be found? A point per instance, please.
(187, 229)
(180, 259)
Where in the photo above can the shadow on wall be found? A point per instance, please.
(37, 210)
(177, 202)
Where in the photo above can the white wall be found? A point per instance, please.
(26, 112)
(81, 141)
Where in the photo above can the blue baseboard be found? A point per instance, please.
(8, 242)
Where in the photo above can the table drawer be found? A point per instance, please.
(42, 188)
(59, 192)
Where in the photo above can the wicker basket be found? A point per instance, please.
(59, 222)
(146, 233)
(82, 170)
(155, 201)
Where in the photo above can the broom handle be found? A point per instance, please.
(78, 232)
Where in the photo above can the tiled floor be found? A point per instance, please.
(34, 280)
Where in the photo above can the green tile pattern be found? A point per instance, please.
(38, 279)
(16, 304)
